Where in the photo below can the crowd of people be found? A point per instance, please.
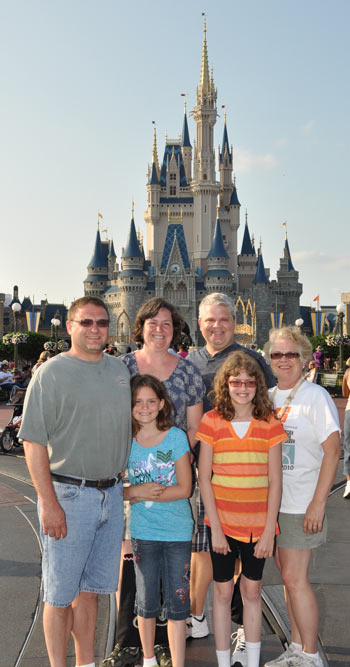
(168, 471)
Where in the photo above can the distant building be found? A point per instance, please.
(192, 221)
(48, 311)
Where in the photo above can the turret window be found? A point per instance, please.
(173, 190)
(172, 177)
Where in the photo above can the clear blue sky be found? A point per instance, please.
(81, 82)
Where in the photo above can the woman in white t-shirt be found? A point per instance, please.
(309, 463)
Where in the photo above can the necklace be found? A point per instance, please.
(289, 398)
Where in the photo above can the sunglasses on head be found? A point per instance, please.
(287, 355)
(103, 324)
(238, 383)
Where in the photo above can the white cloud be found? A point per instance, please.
(246, 161)
(325, 261)
(306, 129)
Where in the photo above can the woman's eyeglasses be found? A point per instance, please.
(287, 355)
(238, 383)
(103, 324)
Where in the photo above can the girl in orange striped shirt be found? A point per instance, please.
(240, 481)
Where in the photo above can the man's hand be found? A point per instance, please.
(53, 520)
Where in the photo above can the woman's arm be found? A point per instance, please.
(193, 417)
(219, 542)
(183, 486)
(264, 546)
(314, 515)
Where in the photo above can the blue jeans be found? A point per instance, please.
(347, 443)
(86, 560)
(167, 563)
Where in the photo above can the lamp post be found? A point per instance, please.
(55, 323)
(299, 322)
(341, 312)
(16, 307)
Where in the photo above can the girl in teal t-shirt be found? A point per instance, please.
(161, 522)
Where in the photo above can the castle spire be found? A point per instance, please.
(155, 152)
(205, 82)
(185, 139)
(247, 246)
(260, 275)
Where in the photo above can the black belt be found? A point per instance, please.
(96, 484)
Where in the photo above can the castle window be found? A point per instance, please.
(172, 177)
(173, 190)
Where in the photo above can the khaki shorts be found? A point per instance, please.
(292, 535)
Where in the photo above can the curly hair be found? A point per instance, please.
(236, 363)
(164, 420)
(150, 309)
(289, 333)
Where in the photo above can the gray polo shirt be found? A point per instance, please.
(209, 365)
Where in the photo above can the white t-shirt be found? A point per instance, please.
(308, 421)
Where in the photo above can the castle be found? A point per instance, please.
(192, 220)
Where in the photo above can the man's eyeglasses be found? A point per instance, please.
(287, 355)
(103, 324)
(250, 384)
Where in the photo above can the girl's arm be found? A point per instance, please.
(147, 491)
(264, 546)
(219, 542)
(193, 417)
(183, 486)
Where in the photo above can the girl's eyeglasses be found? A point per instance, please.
(238, 383)
(287, 355)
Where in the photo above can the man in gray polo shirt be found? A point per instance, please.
(217, 319)
(77, 431)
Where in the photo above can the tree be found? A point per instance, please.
(27, 352)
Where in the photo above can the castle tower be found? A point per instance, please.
(262, 298)
(246, 260)
(229, 204)
(204, 185)
(218, 278)
(153, 200)
(287, 289)
(112, 258)
(96, 280)
(186, 148)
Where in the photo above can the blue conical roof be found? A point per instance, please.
(154, 176)
(217, 247)
(234, 201)
(247, 247)
(225, 144)
(287, 256)
(132, 248)
(260, 275)
(185, 140)
(99, 257)
(111, 252)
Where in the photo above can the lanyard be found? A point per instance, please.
(289, 398)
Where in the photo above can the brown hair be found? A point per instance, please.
(234, 364)
(84, 301)
(164, 420)
(150, 309)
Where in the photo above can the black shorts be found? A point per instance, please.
(224, 566)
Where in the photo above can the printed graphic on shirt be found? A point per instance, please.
(288, 446)
(159, 469)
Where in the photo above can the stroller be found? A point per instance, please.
(8, 438)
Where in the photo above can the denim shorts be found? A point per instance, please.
(162, 567)
(86, 560)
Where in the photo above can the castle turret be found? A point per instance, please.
(246, 260)
(288, 286)
(96, 281)
(112, 257)
(153, 200)
(217, 277)
(186, 148)
(225, 166)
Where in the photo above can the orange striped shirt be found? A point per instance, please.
(240, 472)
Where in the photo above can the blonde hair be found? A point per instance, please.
(289, 333)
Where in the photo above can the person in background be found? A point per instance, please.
(346, 394)
(44, 356)
(309, 462)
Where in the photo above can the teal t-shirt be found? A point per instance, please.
(159, 521)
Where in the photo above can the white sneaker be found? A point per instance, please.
(239, 655)
(196, 627)
(346, 493)
(292, 658)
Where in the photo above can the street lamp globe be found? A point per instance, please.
(16, 307)
(299, 322)
(55, 322)
(340, 308)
